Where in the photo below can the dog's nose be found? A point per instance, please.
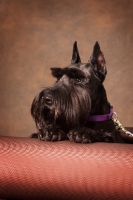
(48, 100)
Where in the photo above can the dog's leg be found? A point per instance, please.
(45, 114)
(34, 135)
(82, 135)
(87, 135)
(51, 133)
(104, 136)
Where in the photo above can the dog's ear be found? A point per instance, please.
(75, 54)
(57, 72)
(98, 62)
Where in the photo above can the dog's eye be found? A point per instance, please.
(76, 81)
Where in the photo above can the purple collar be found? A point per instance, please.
(99, 118)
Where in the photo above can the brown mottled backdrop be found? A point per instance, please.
(38, 34)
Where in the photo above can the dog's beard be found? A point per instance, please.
(69, 108)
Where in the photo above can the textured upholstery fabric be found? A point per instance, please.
(30, 169)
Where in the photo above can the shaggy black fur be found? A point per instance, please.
(60, 112)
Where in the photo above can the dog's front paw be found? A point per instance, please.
(82, 135)
(34, 135)
(51, 134)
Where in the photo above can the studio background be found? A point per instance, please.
(36, 35)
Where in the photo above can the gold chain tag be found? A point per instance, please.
(119, 126)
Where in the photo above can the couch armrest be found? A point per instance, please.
(30, 168)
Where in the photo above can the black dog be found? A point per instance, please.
(76, 107)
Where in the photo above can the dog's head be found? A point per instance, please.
(82, 73)
(75, 93)
(90, 74)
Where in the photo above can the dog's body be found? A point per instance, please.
(63, 111)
